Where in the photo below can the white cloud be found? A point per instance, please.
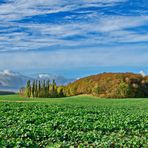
(142, 73)
(82, 29)
(73, 59)
(110, 29)
(43, 76)
(18, 9)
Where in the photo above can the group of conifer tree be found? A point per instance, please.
(42, 89)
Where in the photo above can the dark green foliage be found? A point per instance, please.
(54, 89)
(43, 89)
(39, 89)
(60, 91)
(28, 89)
(33, 89)
(47, 87)
(36, 88)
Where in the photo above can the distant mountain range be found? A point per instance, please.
(13, 81)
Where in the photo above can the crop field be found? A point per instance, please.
(80, 121)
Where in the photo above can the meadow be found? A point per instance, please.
(79, 121)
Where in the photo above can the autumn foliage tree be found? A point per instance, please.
(110, 85)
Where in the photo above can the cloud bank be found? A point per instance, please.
(37, 34)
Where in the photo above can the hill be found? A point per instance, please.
(110, 85)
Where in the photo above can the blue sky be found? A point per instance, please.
(74, 38)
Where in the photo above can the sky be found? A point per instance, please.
(74, 38)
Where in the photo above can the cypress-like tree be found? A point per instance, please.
(43, 93)
(54, 89)
(28, 89)
(33, 89)
(36, 88)
(39, 89)
(47, 88)
(43, 89)
(48, 84)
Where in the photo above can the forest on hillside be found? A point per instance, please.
(111, 85)
(105, 85)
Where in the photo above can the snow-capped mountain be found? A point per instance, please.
(10, 80)
(13, 81)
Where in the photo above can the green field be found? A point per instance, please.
(80, 121)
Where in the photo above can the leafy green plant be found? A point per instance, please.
(76, 122)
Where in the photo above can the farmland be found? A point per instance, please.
(80, 121)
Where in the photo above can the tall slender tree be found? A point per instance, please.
(36, 88)
(43, 89)
(54, 89)
(47, 88)
(39, 89)
(43, 94)
(33, 89)
(28, 89)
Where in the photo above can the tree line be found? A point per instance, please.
(105, 85)
(42, 89)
